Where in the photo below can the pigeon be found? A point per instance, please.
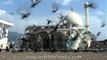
(56, 27)
(92, 5)
(35, 2)
(11, 13)
(25, 15)
(24, 12)
(71, 8)
(98, 34)
(103, 24)
(61, 16)
(48, 21)
(54, 8)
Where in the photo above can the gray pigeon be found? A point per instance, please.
(48, 21)
(103, 24)
(25, 15)
(35, 2)
(98, 34)
(24, 12)
(54, 8)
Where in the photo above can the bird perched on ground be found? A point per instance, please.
(35, 2)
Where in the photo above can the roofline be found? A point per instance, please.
(6, 23)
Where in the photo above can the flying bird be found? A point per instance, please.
(71, 8)
(99, 33)
(35, 2)
(103, 24)
(10, 13)
(92, 5)
(61, 16)
(25, 15)
(56, 27)
(24, 12)
(48, 21)
(55, 8)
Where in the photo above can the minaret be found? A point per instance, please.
(86, 6)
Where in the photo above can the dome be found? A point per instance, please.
(75, 19)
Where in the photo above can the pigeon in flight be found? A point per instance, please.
(25, 15)
(72, 8)
(61, 16)
(98, 34)
(103, 24)
(35, 2)
(24, 12)
(54, 8)
(48, 21)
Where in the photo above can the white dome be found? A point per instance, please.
(74, 18)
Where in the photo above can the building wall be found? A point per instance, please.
(3, 39)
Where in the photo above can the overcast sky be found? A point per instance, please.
(42, 11)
